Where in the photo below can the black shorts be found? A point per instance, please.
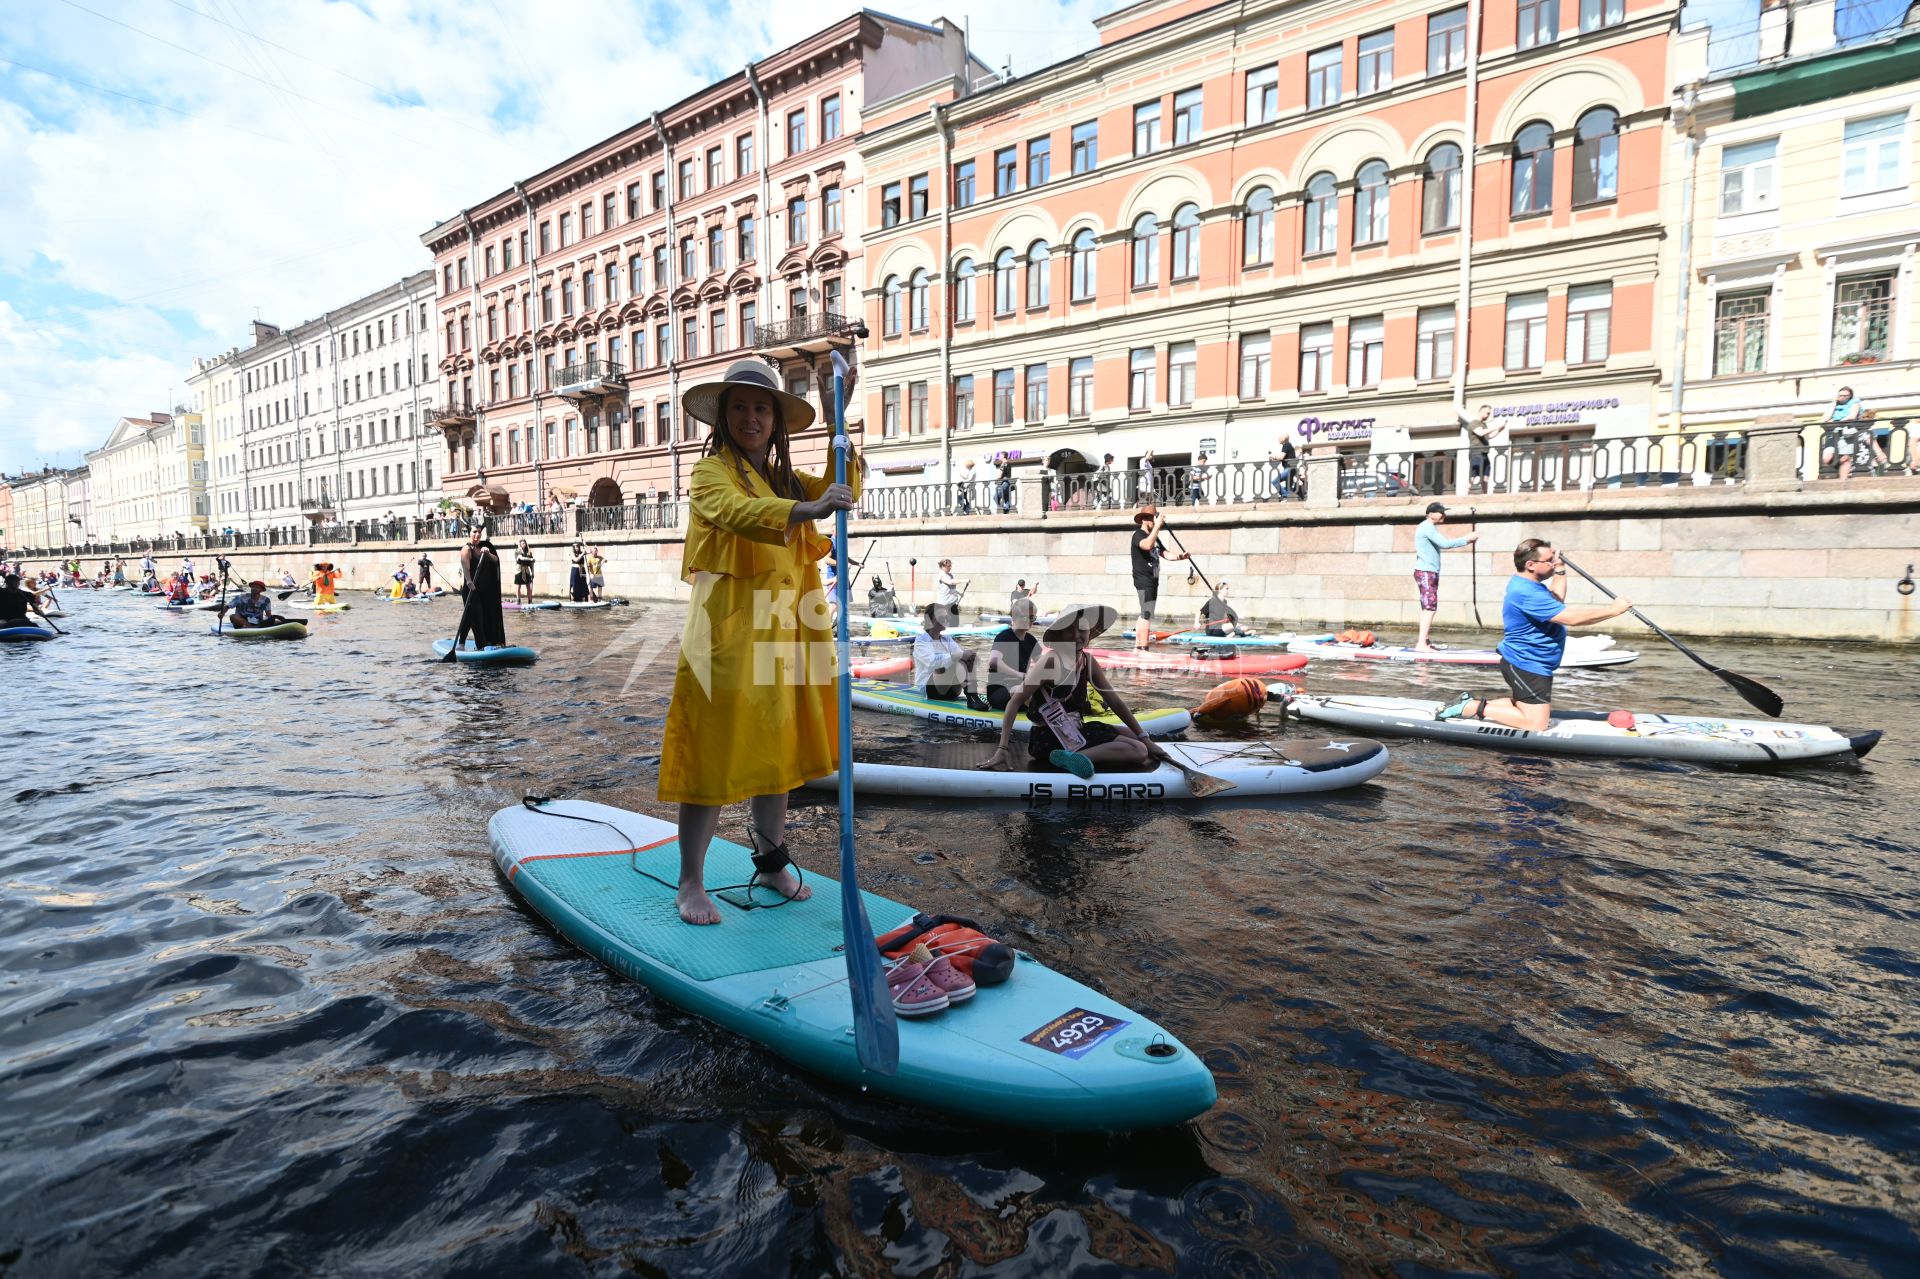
(1527, 688)
(938, 692)
(1149, 598)
(998, 695)
(1041, 743)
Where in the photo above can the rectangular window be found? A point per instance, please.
(1589, 323)
(1140, 370)
(963, 402)
(1374, 73)
(1003, 397)
(1006, 170)
(1862, 317)
(830, 117)
(1086, 147)
(1323, 77)
(716, 167)
(916, 197)
(1539, 22)
(1433, 354)
(1740, 332)
(1366, 351)
(546, 238)
(890, 413)
(689, 258)
(1036, 393)
(492, 259)
(566, 299)
(1146, 128)
(546, 304)
(587, 291)
(890, 204)
(1747, 176)
(586, 220)
(506, 254)
(717, 330)
(1316, 357)
(685, 172)
(1526, 344)
(1595, 14)
(796, 132)
(1447, 41)
(716, 248)
(689, 337)
(663, 423)
(796, 221)
(633, 212)
(1183, 366)
(1871, 154)
(662, 344)
(609, 211)
(1039, 162)
(749, 323)
(1186, 117)
(1080, 387)
(1263, 95)
(659, 190)
(963, 188)
(1256, 365)
(917, 408)
(743, 155)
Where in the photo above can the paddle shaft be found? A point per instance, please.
(1473, 565)
(1758, 695)
(1191, 563)
(876, 1037)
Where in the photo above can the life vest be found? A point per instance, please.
(1360, 639)
(975, 954)
(1235, 699)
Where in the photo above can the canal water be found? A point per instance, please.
(268, 1009)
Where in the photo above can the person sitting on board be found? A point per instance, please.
(1216, 616)
(480, 588)
(880, 600)
(1021, 591)
(16, 604)
(178, 592)
(253, 609)
(286, 579)
(1054, 696)
(943, 671)
(523, 573)
(1011, 654)
(1536, 618)
(411, 592)
(399, 588)
(751, 553)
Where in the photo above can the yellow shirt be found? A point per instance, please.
(754, 710)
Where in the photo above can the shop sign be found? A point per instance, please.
(1556, 412)
(1335, 428)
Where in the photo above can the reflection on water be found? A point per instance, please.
(268, 1008)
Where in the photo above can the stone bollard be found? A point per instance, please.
(1030, 501)
(1322, 466)
(1773, 454)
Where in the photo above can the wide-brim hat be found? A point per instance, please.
(701, 402)
(1147, 511)
(1100, 617)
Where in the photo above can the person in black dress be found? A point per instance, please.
(480, 575)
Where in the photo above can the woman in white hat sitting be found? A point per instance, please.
(753, 713)
(1054, 697)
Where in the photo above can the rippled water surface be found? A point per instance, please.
(267, 1007)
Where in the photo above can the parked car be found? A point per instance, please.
(1645, 479)
(1374, 484)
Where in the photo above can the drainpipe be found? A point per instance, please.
(419, 422)
(1463, 304)
(1681, 302)
(334, 348)
(246, 452)
(473, 322)
(529, 311)
(946, 275)
(673, 314)
(299, 430)
(762, 152)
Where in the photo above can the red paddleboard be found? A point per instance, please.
(1185, 663)
(882, 669)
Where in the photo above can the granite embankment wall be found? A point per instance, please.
(1823, 562)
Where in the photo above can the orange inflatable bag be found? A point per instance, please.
(1361, 639)
(1235, 699)
(979, 956)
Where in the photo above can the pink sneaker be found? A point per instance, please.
(913, 994)
(957, 986)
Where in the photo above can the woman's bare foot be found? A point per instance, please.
(695, 906)
(784, 882)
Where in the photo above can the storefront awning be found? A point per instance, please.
(1070, 462)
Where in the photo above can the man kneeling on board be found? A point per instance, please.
(942, 670)
(253, 609)
(1536, 617)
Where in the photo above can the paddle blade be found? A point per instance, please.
(1201, 785)
(1758, 695)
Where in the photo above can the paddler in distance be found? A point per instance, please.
(1054, 697)
(480, 589)
(1148, 551)
(1536, 617)
(753, 713)
(325, 575)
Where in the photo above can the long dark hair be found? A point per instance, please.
(780, 477)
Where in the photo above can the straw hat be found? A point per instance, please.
(702, 402)
(1100, 617)
(1147, 511)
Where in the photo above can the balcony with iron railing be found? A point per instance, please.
(807, 334)
(589, 378)
(455, 410)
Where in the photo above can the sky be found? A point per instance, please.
(174, 168)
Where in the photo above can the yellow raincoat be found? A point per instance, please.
(754, 710)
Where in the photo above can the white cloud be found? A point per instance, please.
(287, 155)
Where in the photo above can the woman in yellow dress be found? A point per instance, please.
(753, 713)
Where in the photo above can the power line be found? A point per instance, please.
(148, 102)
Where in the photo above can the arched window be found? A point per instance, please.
(1039, 273)
(1440, 190)
(1082, 263)
(1146, 251)
(1186, 242)
(1003, 293)
(1370, 203)
(891, 323)
(1323, 214)
(1596, 156)
(965, 280)
(1257, 232)
(1533, 170)
(917, 301)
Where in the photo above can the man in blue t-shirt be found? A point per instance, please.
(1536, 617)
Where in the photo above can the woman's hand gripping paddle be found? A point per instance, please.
(876, 1037)
(1758, 695)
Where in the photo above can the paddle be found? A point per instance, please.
(1193, 568)
(1473, 563)
(876, 1038)
(1199, 784)
(466, 610)
(1758, 695)
(51, 624)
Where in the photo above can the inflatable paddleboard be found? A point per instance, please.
(1679, 737)
(1584, 652)
(413, 599)
(284, 631)
(586, 604)
(1200, 639)
(1039, 1051)
(532, 608)
(1187, 662)
(903, 699)
(505, 655)
(26, 633)
(1266, 767)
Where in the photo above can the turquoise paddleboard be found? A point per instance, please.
(1038, 1051)
(508, 655)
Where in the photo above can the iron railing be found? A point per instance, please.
(572, 376)
(804, 328)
